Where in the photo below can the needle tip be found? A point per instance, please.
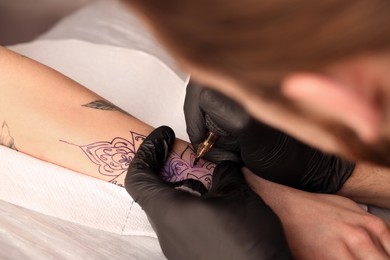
(196, 161)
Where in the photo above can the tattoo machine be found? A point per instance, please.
(212, 136)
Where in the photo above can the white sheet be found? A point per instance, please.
(110, 22)
(25, 234)
(104, 47)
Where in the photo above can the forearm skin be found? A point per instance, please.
(53, 118)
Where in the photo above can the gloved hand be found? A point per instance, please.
(269, 153)
(197, 102)
(228, 222)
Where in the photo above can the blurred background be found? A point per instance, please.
(23, 20)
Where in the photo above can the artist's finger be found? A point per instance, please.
(223, 111)
(218, 155)
(194, 115)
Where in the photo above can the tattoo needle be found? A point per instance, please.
(212, 136)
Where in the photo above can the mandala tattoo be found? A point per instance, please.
(114, 157)
(5, 137)
(179, 167)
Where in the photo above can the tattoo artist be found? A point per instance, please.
(269, 153)
(329, 61)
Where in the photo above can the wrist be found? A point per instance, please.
(279, 197)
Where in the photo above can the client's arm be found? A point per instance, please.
(53, 118)
(323, 226)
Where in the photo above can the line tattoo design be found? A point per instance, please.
(179, 167)
(114, 157)
(5, 137)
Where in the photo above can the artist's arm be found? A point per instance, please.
(368, 184)
(53, 118)
(275, 156)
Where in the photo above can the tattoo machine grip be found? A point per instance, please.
(214, 133)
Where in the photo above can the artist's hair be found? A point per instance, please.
(256, 42)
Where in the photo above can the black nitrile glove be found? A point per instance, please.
(228, 222)
(227, 147)
(269, 153)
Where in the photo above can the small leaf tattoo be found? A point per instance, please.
(5, 137)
